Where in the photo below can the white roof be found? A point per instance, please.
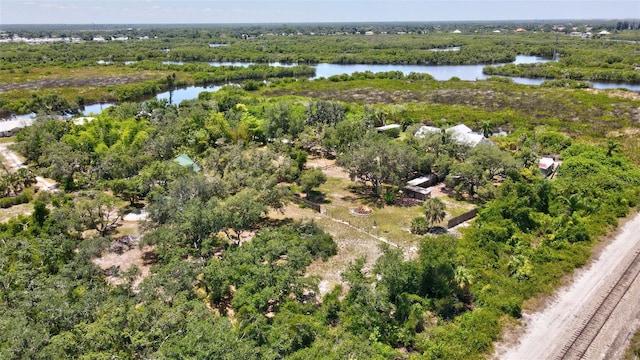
(471, 139)
(389, 127)
(461, 133)
(83, 120)
(15, 124)
(420, 180)
(545, 163)
(459, 129)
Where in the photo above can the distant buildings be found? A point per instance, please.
(45, 40)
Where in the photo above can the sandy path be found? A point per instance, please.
(547, 331)
(13, 162)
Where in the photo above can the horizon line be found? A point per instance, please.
(334, 22)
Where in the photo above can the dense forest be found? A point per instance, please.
(230, 267)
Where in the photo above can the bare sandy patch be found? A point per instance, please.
(629, 95)
(115, 265)
(329, 167)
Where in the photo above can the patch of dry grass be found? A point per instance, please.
(14, 211)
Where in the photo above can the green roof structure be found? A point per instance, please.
(186, 161)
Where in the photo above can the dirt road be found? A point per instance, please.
(13, 163)
(546, 332)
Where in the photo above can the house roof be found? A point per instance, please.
(7, 125)
(83, 120)
(471, 139)
(418, 189)
(186, 161)
(388, 127)
(420, 180)
(462, 134)
(459, 129)
(545, 163)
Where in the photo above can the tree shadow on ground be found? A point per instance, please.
(365, 195)
(270, 222)
(437, 230)
(318, 197)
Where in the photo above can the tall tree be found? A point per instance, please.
(324, 112)
(312, 178)
(99, 211)
(376, 160)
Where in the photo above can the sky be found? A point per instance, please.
(300, 11)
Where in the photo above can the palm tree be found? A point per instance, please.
(574, 202)
(434, 211)
(487, 128)
(612, 146)
(462, 278)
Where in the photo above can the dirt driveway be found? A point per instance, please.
(13, 162)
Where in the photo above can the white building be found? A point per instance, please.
(460, 133)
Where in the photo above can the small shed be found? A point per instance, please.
(417, 192)
(546, 166)
(186, 161)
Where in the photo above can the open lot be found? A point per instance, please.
(360, 236)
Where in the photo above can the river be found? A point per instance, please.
(325, 70)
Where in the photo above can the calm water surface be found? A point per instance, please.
(324, 70)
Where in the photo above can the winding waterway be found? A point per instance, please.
(325, 70)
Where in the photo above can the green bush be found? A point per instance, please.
(419, 226)
(23, 198)
(390, 198)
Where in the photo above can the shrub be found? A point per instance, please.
(419, 226)
(23, 198)
(390, 198)
(251, 85)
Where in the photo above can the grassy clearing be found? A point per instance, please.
(7, 140)
(359, 236)
(14, 211)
